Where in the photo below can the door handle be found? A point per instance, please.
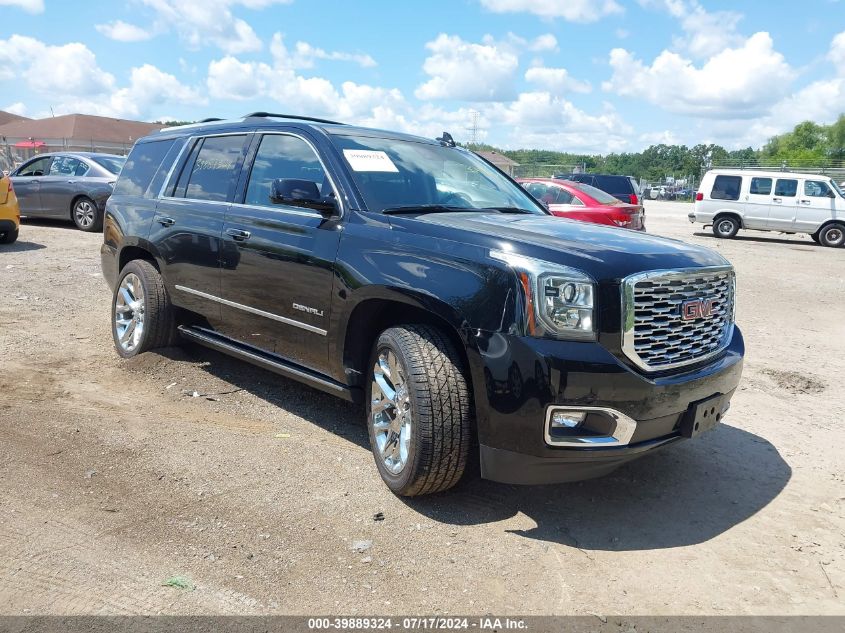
(34, 182)
(805, 202)
(165, 221)
(777, 199)
(238, 235)
(71, 182)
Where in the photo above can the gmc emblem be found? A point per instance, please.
(696, 309)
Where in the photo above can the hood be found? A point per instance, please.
(602, 252)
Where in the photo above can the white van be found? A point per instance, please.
(733, 199)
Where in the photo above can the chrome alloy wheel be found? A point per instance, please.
(391, 411)
(84, 213)
(834, 236)
(725, 227)
(129, 312)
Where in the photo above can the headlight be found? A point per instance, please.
(560, 301)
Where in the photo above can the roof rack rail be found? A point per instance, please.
(210, 120)
(290, 116)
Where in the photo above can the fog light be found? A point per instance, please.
(567, 419)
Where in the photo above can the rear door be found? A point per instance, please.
(60, 184)
(758, 201)
(189, 221)
(27, 182)
(278, 260)
(816, 204)
(784, 205)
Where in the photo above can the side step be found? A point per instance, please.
(270, 362)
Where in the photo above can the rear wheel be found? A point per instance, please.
(832, 235)
(725, 226)
(142, 316)
(9, 237)
(419, 411)
(86, 216)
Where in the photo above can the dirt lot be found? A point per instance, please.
(115, 478)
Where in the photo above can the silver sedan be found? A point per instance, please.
(67, 186)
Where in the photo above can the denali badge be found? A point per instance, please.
(696, 309)
(302, 308)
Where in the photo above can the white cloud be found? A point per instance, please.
(69, 69)
(666, 137)
(16, 108)
(571, 10)
(309, 53)
(740, 82)
(30, 6)
(837, 53)
(150, 88)
(556, 80)
(468, 71)
(705, 33)
(123, 31)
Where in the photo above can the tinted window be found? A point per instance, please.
(761, 186)
(563, 196)
(281, 156)
(182, 184)
(726, 188)
(142, 164)
(602, 197)
(213, 173)
(613, 184)
(787, 188)
(36, 168)
(67, 166)
(816, 189)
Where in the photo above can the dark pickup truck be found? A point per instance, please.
(412, 276)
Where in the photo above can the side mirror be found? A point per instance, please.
(301, 193)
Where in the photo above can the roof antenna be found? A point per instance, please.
(446, 140)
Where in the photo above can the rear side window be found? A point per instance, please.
(726, 188)
(212, 175)
(787, 188)
(139, 169)
(761, 186)
(613, 184)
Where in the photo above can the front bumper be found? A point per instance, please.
(523, 378)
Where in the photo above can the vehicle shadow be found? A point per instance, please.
(686, 494)
(795, 241)
(58, 223)
(21, 246)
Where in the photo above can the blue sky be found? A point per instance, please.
(572, 75)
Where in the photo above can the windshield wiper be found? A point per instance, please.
(426, 208)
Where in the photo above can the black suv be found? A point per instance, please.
(412, 276)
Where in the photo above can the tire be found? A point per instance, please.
(832, 235)
(815, 238)
(154, 315)
(9, 237)
(86, 215)
(420, 365)
(725, 226)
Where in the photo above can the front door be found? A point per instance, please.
(189, 220)
(27, 182)
(784, 205)
(278, 260)
(817, 204)
(58, 185)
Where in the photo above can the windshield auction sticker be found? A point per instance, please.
(368, 160)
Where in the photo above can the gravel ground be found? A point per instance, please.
(260, 494)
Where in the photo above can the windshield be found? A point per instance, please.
(602, 197)
(113, 163)
(397, 174)
(838, 189)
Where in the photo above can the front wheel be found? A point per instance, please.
(725, 227)
(86, 216)
(142, 316)
(419, 410)
(832, 235)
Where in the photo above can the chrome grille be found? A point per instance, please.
(655, 335)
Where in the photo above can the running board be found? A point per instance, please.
(270, 362)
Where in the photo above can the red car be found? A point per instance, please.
(577, 201)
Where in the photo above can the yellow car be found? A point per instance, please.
(10, 212)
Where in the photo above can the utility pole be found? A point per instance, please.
(473, 128)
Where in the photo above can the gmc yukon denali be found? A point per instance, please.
(412, 276)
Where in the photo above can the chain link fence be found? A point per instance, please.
(12, 156)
